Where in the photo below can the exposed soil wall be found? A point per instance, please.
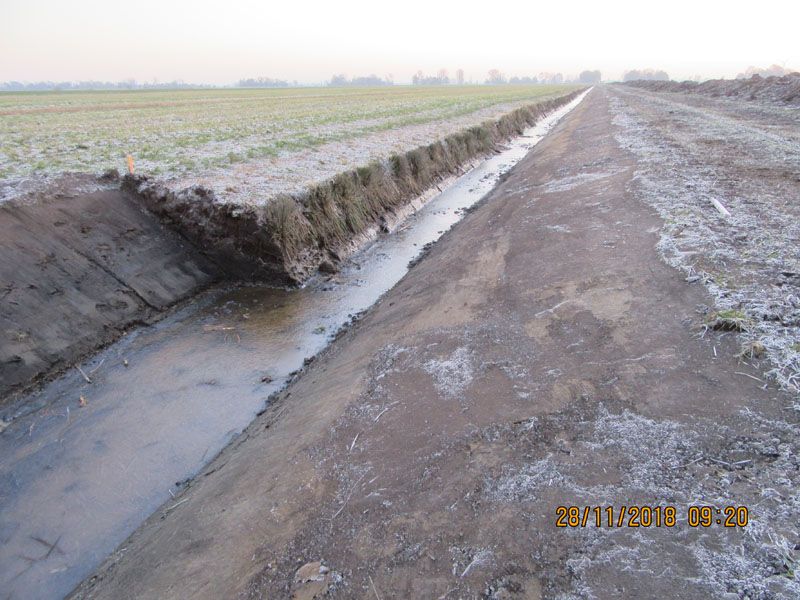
(77, 269)
(289, 238)
(773, 90)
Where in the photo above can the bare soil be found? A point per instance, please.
(80, 267)
(541, 354)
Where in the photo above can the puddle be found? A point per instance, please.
(76, 480)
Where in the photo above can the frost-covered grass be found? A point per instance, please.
(747, 157)
(176, 133)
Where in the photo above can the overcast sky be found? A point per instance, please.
(223, 41)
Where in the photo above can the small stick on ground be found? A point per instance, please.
(372, 583)
(720, 208)
(173, 507)
(353, 489)
(729, 464)
(380, 414)
(85, 376)
(691, 462)
(748, 375)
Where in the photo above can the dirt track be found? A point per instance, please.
(542, 354)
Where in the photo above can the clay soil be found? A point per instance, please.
(82, 262)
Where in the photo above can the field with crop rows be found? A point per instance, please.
(176, 133)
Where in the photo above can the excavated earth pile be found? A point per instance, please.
(774, 90)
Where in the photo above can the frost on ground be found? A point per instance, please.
(746, 158)
(663, 463)
(247, 145)
(453, 374)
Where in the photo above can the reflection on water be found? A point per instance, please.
(76, 480)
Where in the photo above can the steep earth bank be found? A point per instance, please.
(78, 269)
(287, 239)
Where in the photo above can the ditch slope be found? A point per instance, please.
(80, 265)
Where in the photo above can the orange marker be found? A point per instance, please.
(130, 164)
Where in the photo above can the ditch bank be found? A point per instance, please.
(86, 259)
(289, 238)
(79, 265)
(96, 459)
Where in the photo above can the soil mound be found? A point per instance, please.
(783, 90)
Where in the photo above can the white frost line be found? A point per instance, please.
(553, 309)
(722, 210)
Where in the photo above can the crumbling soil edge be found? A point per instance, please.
(284, 241)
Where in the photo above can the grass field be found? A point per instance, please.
(176, 133)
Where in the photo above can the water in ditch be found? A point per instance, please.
(79, 474)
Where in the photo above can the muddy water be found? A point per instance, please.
(79, 474)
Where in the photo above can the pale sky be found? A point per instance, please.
(221, 42)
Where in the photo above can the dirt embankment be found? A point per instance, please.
(289, 238)
(774, 90)
(79, 268)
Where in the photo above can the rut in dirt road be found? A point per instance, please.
(542, 354)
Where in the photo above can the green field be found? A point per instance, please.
(172, 133)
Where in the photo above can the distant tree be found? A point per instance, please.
(440, 78)
(551, 78)
(361, 81)
(645, 74)
(495, 77)
(262, 82)
(460, 76)
(523, 80)
(771, 71)
(20, 86)
(589, 77)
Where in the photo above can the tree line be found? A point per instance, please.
(441, 77)
(128, 84)
(645, 74)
